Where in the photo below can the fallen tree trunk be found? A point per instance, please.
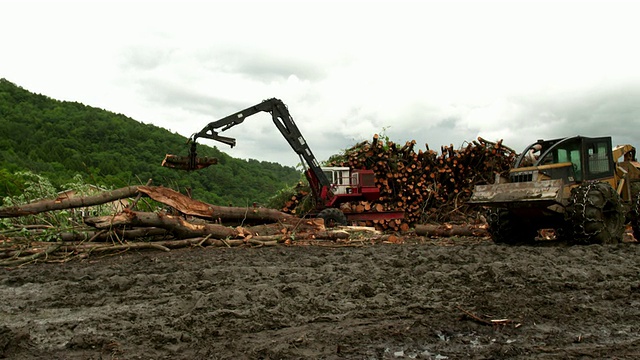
(189, 206)
(183, 229)
(65, 202)
(178, 226)
(447, 230)
(113, 235)
(64, 251)
(167, 196)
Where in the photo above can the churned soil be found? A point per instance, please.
(424, 299)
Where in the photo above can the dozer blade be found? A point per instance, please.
(187, 163)
(541, 192)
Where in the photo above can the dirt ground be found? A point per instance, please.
(424, 300)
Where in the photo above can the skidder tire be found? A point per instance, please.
(333, 217)
(635, 217)
(506, 228)
(595, 215)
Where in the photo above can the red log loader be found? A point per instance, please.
(330, 186)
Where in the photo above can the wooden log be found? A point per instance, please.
(174, 224)
(448, 230)
(109, 235)
(65, 202)
(44, 251)
(182, 229)
(197, 208)
(184, 162)
(303, 227)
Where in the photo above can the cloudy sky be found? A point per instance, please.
(436, 72)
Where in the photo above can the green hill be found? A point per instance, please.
(59, 139)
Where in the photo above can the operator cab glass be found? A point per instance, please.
(340, 179)
(599, 158)
(590, 158)
(569, 151)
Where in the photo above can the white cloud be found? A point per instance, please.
(436, 72)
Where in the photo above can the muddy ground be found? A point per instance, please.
(382, 301)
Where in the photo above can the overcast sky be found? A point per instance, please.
(436, 72)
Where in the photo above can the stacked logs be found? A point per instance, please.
(426, 185)
(298, 200)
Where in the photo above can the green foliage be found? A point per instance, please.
(65, 142)
(384, 138)
(34, 187)
(37, 187)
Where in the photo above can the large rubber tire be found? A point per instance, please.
(635, 188)
(635, 217)
(506, 228)
(595, 215)
(333, 217)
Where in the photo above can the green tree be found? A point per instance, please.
(60, 139)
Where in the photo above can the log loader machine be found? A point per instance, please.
(330, 186)
(581, 187)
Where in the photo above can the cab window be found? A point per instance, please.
(599, 163)
(570, 152)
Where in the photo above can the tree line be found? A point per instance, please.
(61, 140)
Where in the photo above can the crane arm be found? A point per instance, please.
(211, 130)
(283, 121)
(624, 150)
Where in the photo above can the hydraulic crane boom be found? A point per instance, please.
(284, 122)
(345, 185)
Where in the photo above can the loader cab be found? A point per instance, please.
(340, 178)
(575, 159)
(352, 183)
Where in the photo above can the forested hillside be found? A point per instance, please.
(59, 139)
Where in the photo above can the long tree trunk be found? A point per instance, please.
(90, 235)
(452, 230)
(183, 229)
(189, 206)
(64, 202)
(178, 226)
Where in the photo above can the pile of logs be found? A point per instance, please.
(429, 187)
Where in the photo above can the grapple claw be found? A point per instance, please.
(190, 162)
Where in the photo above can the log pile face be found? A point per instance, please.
(426, 185)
